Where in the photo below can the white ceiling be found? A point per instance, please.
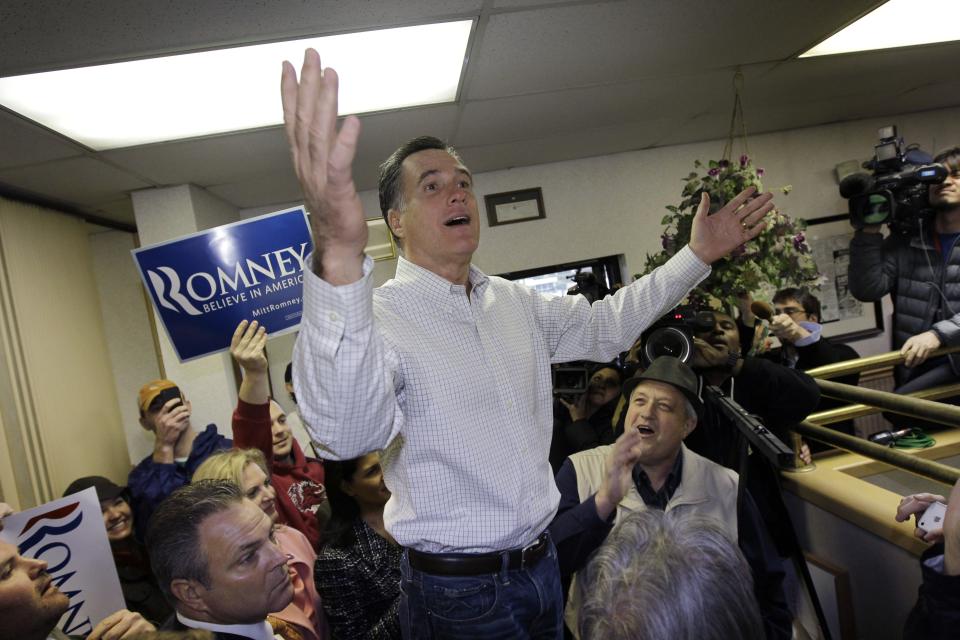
(545, 81)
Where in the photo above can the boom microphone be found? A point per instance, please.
(762, 310)
(855, 184)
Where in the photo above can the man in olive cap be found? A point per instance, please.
(648, 467)
(178, 448)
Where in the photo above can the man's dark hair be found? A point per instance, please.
(391, 170)
(173, 537)
(809, 302)
(949, 158)
(288, 373)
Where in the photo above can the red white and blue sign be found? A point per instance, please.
(204, 284)
(68, 534)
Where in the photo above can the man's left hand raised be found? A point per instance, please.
(740, 220)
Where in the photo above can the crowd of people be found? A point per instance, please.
(439, 489)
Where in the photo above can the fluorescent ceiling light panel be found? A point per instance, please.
(196, 94)
(896, 23)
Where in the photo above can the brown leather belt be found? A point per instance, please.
(473, 564)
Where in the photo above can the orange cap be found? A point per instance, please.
(151, 390)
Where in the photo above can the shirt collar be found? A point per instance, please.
(434, 287)
(659, 499)
(257, 630)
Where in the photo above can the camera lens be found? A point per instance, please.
(668, 341)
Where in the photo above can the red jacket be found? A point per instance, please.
(299, 485)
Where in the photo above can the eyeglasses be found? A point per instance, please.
(790, 311)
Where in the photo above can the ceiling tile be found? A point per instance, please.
(598, 43)
(266, 189)
(25, 143)
(545, 114)
(120, 210)
(80, 181)
(46, 34)
(206, 161)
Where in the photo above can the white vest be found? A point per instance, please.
(706, 489)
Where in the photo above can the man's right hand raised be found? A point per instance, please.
(170, 423)
(620, 462)
(322, 160)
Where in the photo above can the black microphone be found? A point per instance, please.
(889, 437)
(855, 184)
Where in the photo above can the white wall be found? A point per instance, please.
(613, 204)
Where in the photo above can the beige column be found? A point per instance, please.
(163, 214)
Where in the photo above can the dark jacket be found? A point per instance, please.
(910, 270)
(571, 436)
(822, 352)
(150, 482)
(359, 586)
(781, 397)
(141, 593)
(936, 615)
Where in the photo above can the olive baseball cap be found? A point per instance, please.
(669, 370)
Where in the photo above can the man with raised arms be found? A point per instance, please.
(448, 370)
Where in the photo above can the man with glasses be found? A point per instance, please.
(796, 323)
(921, 272)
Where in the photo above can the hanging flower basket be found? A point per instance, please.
(779, 257)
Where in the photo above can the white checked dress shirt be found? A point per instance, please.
(460, 390)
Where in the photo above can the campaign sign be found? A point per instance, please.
(204, 284)
(68, 534)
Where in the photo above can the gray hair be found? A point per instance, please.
(668, 576)
(688, 407)
(173, 537)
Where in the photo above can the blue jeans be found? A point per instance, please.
(512, 605)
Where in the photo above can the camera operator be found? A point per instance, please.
(586, 420)
(922, 273)
(778, 395)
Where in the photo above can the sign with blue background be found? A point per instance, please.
(204, 284)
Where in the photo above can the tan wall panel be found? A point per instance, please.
(68, 378)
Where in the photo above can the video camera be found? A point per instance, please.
(570, 379)
(672, 335)
(588, 285)
(896, 192)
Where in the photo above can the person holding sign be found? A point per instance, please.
(260, 423)
(31, 604)
(448, 370)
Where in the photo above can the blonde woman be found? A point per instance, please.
(248, 469)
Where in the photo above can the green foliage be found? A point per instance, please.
(779, 257)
